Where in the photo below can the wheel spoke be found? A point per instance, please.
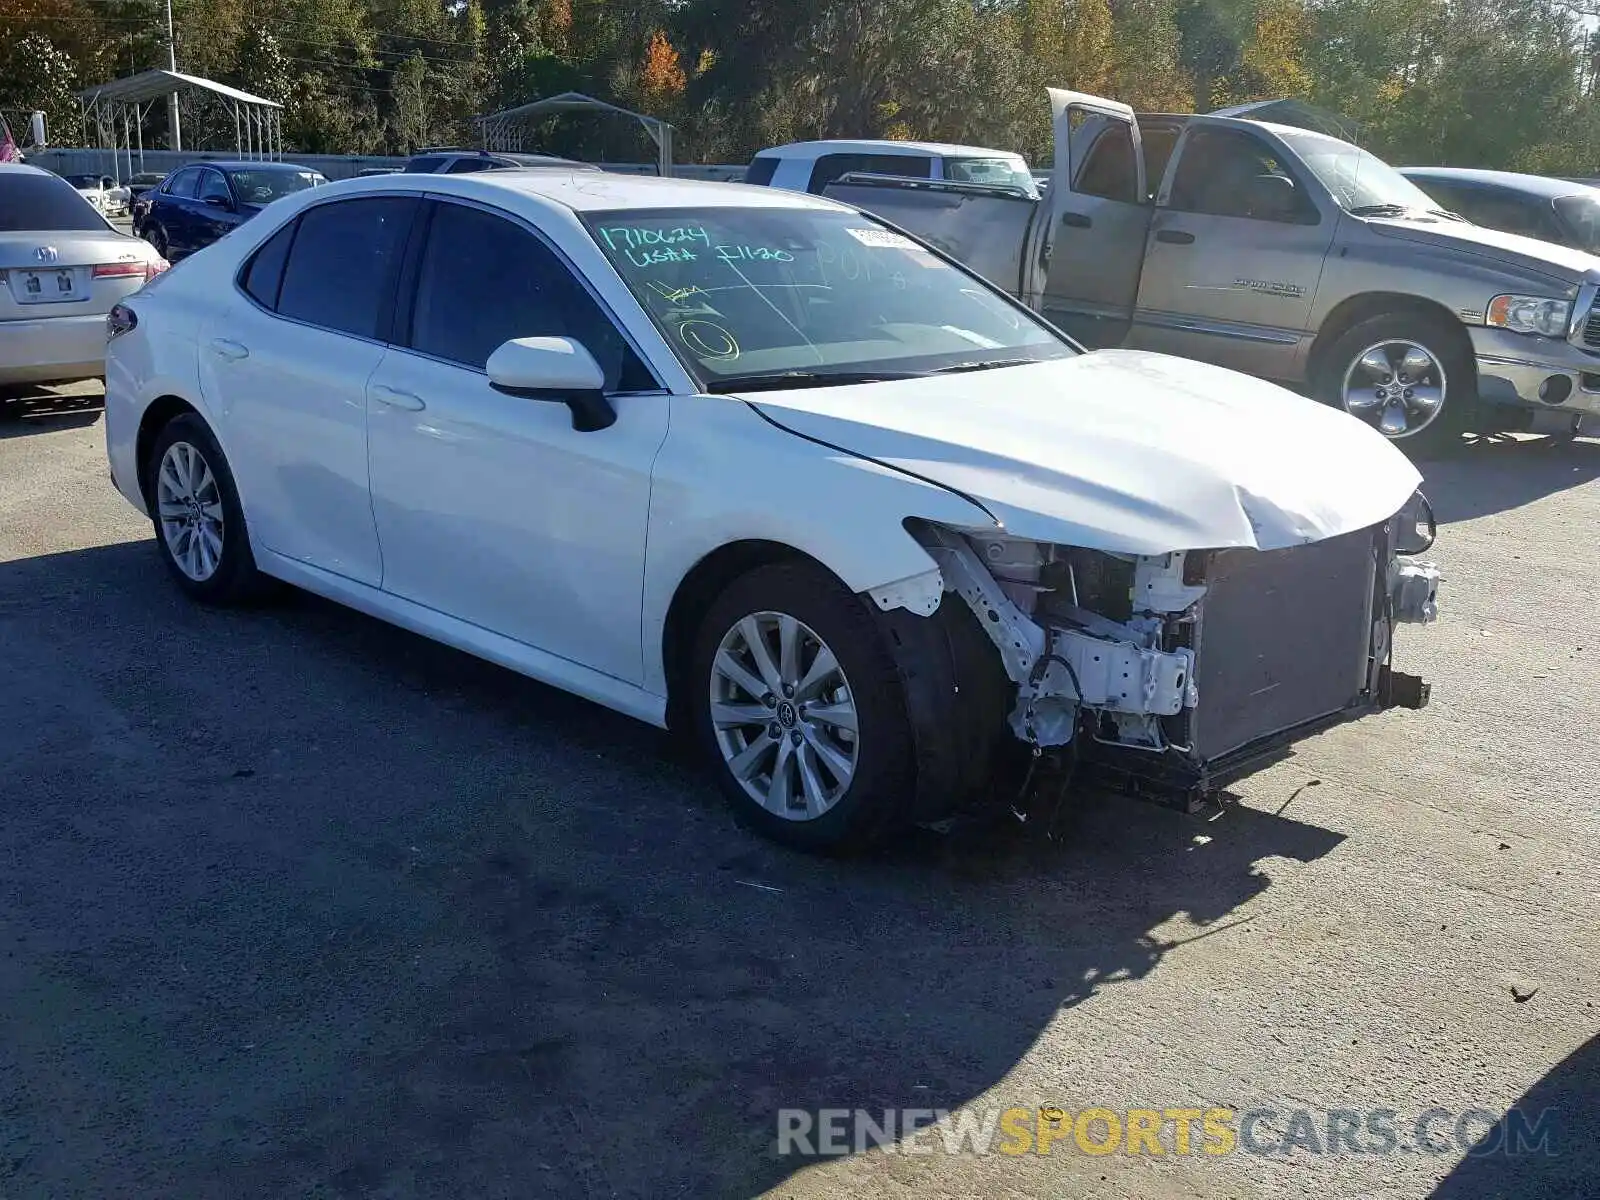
(780, 792)
(840, 716)
(212, 545)
(1393, 421)
(824, 667)
(213, 512)
(169, 476)
(788, 649)
(206, 482)
(737, 716)
(731, 669)
(756, 642)
(835, 760)
(810, 782)
(1415, 363)
(746, 764)
(171, 510)
(193, 556)
(1425, 399)
(1375, 363)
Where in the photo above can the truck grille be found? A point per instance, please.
(1591, 328)
(1283, 638)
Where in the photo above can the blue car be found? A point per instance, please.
(196, 205)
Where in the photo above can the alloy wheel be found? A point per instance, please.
(1397, 386)
(784, 717)
(189, 505)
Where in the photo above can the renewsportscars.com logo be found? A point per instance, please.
(1162, 1131)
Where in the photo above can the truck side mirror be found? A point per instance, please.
(1275, 198)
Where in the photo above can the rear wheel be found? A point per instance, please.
(194, 507)
(157, 237)
(799, 707)
(1408, 375)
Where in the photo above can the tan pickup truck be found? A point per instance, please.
(1283, 252)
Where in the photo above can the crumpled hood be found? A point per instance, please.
(1120, 450)
(1562, 262)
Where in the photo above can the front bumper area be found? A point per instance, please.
(1523, 371)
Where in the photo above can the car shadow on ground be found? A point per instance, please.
(1516, 1158)
(26, 411)
(1486, 475)
(348, 912)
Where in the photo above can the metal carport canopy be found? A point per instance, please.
(496, 125)
(257, 125)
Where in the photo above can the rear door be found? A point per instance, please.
(1094, 218)
(1235, 254)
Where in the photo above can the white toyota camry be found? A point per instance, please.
(754, 466)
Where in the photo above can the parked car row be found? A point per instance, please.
(759, 468)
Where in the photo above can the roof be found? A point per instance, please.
(1532, 185)
(590, 191)
(16, 168)
(257, 164)
(567, 102)
(816, 149)
(152, 85)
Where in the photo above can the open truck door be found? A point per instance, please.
(1091, 235)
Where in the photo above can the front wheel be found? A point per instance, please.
(799, 707)
(1409, 376)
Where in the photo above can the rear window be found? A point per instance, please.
(761, 170)
(29, 202)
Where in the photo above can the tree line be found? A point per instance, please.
(1499, 83)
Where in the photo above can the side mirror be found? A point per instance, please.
(554, 368)
(1274, 198)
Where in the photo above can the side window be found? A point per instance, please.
(830, 166)
(484, 280)
(1158, 143)
(1530, 216)
(1226, 173)
(263, 274)
(426, 165)
(183, 183)
(761, 170)
(341, 268)
(1108, 170)
(213, 186)
(466, 166)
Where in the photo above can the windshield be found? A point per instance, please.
(263, 187)
(1357, 179)
(84, 181)
(1005, 171)
(43, 202)
(818, 295)
(1581, 215)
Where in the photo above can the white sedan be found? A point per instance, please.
(749, 464)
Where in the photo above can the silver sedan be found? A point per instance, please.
(62, 267)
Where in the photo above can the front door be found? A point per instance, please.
(1093, 220)
(491, 508)
(286, 372)
(1235, 254)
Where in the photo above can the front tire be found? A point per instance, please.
(1409, 375)
(199, 524)
(799, 708)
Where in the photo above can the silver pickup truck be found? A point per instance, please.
(1283, 252)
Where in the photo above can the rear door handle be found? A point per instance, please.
(1176, 236)
(395, 398)
(232, 351)
(1077, 220)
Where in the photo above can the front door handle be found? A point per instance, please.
(1077, 220)
(232, 351)
(395, 398)
(1176, 236)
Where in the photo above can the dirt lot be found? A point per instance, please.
(292, 903)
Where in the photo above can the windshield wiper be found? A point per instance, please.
(1379, 210)
(783, 380)
(987, 364)
(1448, 215)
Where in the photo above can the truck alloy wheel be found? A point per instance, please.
(1396, 385)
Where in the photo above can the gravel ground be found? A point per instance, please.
(293, 903)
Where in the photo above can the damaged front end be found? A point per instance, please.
(1171, 674)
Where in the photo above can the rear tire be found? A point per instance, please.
(817, 758)
(194, 507)
(157, 237)
(1383, 371)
